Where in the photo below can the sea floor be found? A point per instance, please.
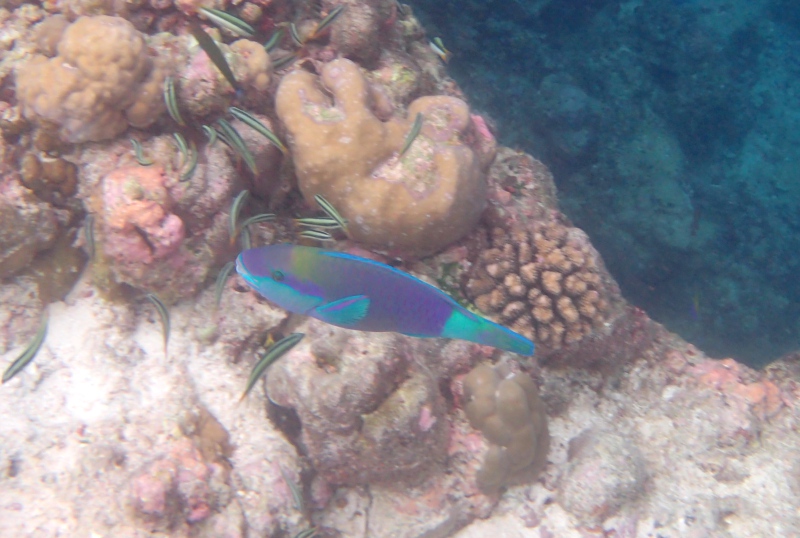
(102, 435)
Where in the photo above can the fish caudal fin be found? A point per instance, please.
(465, 325)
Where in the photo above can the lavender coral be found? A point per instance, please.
(103, 79)
(416, 203)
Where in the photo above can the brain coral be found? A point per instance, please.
(547, 283)
(103, 78)
(416, 203)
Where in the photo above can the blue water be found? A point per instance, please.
(673, 130)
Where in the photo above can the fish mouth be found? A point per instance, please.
(244, 273)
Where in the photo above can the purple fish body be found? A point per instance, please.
(365, 295)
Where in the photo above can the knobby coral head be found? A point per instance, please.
(413, 203)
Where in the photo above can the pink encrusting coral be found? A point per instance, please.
(153, 231)
(137, 215)
(94, 92)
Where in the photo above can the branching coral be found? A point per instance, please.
(415, 203)
(548, 283)
(103, 79)
(508, 411)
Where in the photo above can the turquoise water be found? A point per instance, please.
(672, 129)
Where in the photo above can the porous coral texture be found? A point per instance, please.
(104, 78)
(155, 232)
(547, 283)
(414, 204)
(368, 413)
(508, 411)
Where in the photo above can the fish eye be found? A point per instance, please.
(277, 275)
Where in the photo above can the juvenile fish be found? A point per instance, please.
(317, 235)
(171, 100)
(296, 493)
(412, 134)
(213, 51)
(327, 21)
(253, 122)
(255, 219)
(318, 222)
(275, 352)
(193, 155)
(273, 41)
(233, 218)
(88, 235)
(139, 153)
(232, 137)
(163, 313)
(331, 211)
(30, 352)
(222, 278)
(228, 21)
(211, 134)
(438, 47)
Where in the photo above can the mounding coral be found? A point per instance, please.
(94, 92)
(415, 203)
(508, 411)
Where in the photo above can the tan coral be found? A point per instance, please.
(252, 65)
(506, 408)
(412, 204)
(554, 272)
(94, 92)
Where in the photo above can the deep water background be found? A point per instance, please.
(673, 131)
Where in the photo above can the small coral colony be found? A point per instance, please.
(151, 146)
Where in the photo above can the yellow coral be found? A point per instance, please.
(414, 204)
(252, 64)
(103, 79)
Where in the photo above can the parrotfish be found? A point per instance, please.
(365, 295)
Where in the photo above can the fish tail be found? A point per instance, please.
(465, 325)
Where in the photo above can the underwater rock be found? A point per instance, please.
(153, 231)
(369, 412)
(605, 472)
(27, 226)
(416, 203)
(165, 436)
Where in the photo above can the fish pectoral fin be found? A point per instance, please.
(344, 312)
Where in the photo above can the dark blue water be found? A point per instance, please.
(673, 130)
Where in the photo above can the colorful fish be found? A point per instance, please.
(365, 295)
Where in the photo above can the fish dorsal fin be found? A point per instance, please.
(343, 312)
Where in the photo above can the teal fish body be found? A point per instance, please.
(365, 295)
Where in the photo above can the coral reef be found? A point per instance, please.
(355, 434)
(547, 283)
(153, 231)
(94, 92)
(508, 411)
(203, 92)
(416, 203)
(27, 226)
(369, 412)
